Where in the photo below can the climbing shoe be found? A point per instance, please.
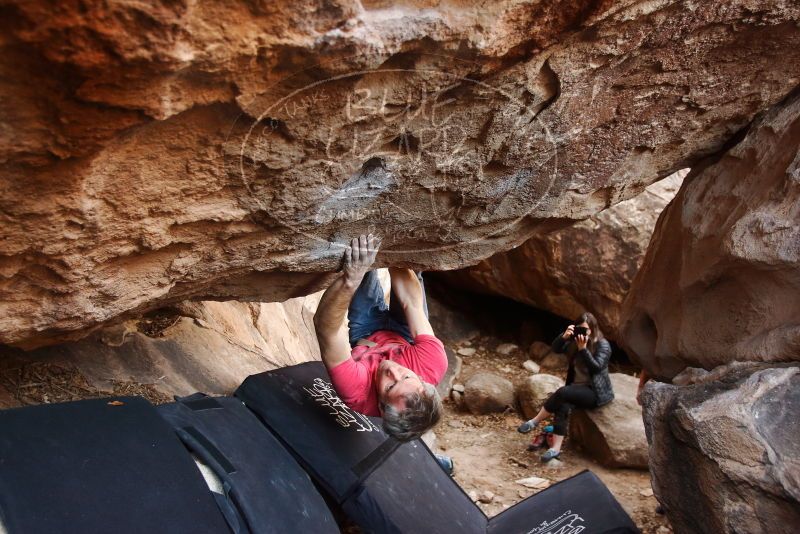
(550, 455)
(446, 463)
(527, 426)
(538, 442)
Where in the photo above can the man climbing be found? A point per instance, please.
(386, 360)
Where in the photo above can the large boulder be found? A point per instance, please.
(613, 434)
(588, 266)
(721, 278)
(725, 454)
(155, 152)
(534, 390)
(487, 393)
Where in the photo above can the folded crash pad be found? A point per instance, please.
(101, 465)
(300, 406)
(387, 487)
(265, 490)
(580, 504)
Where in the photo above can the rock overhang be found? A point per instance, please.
(134, 178)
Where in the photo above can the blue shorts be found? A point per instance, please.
(368, 311)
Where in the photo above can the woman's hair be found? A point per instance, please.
(591, 320)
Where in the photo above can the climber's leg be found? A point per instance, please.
(408, 307)
(368, 311)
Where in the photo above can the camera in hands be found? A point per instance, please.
(580, 331)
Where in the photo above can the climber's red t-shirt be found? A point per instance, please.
(354, 378)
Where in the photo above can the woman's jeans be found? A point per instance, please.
(369, 312)
(564, 400)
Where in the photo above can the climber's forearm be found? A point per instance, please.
(330, 321)
(408, 291)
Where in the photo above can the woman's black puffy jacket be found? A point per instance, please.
(596, 363)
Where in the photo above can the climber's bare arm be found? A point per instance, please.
(407, 289)
(330, 319)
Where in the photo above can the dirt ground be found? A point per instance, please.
(490, 455)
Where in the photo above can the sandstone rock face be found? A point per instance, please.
(724, 454)
(534, 390)
(163, 151)
(721, 278)
(487, 393)
(588, 266)
(614, 433)
(199, 346)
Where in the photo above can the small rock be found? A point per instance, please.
(507, 348)
(487, 393)
(486, 497)
(506, 369)
(534, 482)
(455, 424)
(458, 387)
(522, 494)
(554, 464)
(467, 343)
(538, 350)
(457, 397)
(473, 495)
(466, 351)
(531, 366)
(646, 492)
(520, 463)
(663, 530)
(554, 361)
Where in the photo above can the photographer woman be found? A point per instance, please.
(588, 384)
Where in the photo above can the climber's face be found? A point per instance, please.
(395, 382)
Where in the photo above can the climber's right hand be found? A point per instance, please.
(359, 257)
(569, 332)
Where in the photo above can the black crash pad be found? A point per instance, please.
(265, 488)
(92, 466)
(382, 485)
(299, 405)
(386, 487)
(580, 504)
(409, 492)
